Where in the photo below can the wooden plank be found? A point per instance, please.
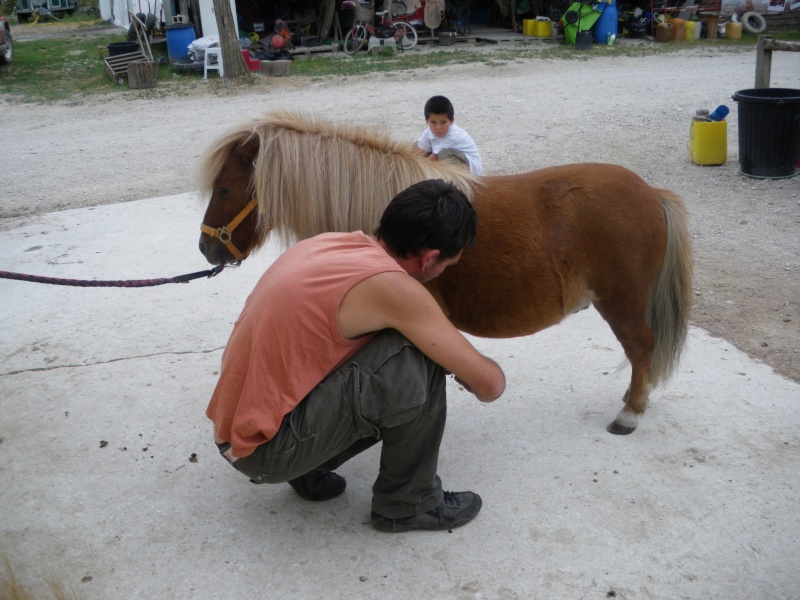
(124, 59)
(308, 50)
(110, 72)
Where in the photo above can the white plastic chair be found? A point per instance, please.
(209, 66)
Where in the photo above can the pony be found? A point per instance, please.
(550, 242)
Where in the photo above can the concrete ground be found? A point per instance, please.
(110, 483)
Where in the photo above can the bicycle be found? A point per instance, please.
(405, 36)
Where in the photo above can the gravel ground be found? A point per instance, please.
(524, 114)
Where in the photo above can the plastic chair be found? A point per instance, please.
(217, 65)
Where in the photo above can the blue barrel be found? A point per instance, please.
(179, 36)
(607, 23)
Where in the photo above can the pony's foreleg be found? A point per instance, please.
(637, 342)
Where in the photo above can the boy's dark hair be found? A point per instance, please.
(439, 105)
(431, 214)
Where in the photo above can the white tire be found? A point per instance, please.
(752, 22)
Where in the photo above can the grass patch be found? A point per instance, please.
(53, 69)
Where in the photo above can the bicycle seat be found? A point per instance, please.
(382, 13)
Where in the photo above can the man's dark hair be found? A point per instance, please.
(431, 214)
(439, 105)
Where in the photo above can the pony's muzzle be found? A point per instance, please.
(214, 251)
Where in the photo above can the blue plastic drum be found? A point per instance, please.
(179, 37)
(607, 23)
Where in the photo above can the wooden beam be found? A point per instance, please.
(766, 44)
(784, 45)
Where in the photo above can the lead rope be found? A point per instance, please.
(129, 283)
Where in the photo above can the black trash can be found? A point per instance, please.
(769, 132)
(117, 48)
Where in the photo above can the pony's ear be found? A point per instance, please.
(247, 150)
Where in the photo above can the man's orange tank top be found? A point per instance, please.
(287, 338)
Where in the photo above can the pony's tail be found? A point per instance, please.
(12, 589)
(670, 301)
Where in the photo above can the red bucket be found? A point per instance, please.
(252, 63)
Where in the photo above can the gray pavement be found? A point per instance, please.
(700, 502)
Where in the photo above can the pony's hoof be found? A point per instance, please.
(618, 429)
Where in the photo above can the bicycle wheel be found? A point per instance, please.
(405, 35)
(354, 40)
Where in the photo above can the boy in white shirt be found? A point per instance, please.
(444, 140)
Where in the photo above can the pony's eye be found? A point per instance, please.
(222, 192)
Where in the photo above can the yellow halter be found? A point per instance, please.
(224, 233)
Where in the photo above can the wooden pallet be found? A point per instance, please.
(117, 66)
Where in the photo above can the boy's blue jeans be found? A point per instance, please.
(388, 391)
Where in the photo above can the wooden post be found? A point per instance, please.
(325, 20)
(763, 61)
(142, 74)
(712, 23)
(513, 6)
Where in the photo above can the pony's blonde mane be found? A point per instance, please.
(312, 176)
(214, 159)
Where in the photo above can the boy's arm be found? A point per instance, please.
(424, 142)
(425, 147)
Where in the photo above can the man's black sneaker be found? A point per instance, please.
(319, 485)
(456, 509)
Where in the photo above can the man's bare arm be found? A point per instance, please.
(396, 301)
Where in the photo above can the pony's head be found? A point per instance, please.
(304, 176)
(229, 228)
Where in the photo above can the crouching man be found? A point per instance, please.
(340, 346)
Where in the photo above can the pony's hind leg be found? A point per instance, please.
(627, 420)
(637, 341)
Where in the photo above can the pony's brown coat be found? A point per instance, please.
(550, 242)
